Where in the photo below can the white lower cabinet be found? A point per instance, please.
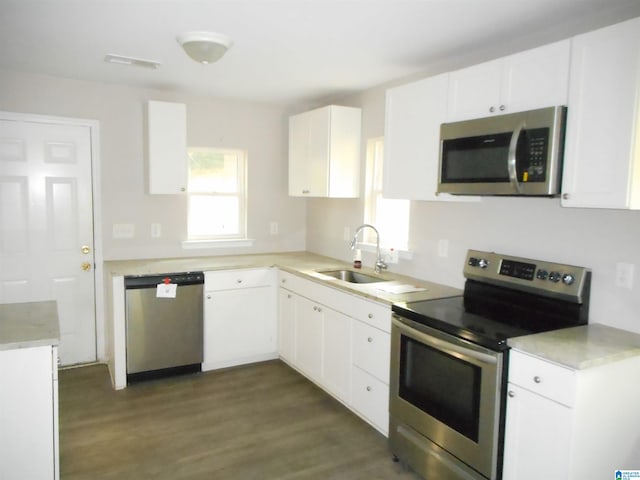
(339, 341)
(336, 354)
(370, 398)
(240, 324)
(570, 424)
(29, 413)
(287, 307)
(308, 345)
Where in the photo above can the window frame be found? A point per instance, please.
(373, 193)
(241, 193)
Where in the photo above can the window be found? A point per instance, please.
(389, 216)
(217, 194)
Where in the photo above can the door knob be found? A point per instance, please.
(85, 249)
(86, 266)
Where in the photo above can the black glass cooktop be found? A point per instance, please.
(489, 316)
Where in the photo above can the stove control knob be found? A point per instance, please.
(568, 279)
(542, 274)
(555, 277)
(482, 263)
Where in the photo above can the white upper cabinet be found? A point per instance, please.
(324, 153)
(602, 152)
(527, 80)
(167, 147)
(413, 116)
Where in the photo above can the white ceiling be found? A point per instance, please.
(285, 51)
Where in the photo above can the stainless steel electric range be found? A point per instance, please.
(449, 360)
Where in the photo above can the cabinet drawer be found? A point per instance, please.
(374, 314)
(547, 379)
(370, 398)
(234, 279)
(371, 350)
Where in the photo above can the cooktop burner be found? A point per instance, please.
(506, 297)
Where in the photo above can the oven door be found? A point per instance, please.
(446, 393)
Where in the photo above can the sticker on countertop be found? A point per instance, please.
(167, 290)
(398, 289)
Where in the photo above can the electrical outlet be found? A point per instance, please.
(391, 255)
(156, 230)
(273, 228)
(123, 230)
(624, 275)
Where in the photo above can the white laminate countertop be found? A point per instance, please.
(581, 347)
(304, 264)
(32, 324)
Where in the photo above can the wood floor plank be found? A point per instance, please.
(258, 422)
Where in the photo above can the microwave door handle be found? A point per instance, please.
(511, 159)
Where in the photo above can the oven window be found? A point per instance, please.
(441, 385)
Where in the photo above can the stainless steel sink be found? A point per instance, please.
(351, 276)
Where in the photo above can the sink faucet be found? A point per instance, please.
(379, 262)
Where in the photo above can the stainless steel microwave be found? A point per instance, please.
(515, 154)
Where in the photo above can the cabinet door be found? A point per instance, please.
(27, 436)
(167, 147)
(308, 153)
(240, 326)
(536, 78)
(336, 354)
(370, 398)
(372, 350)
(287, 302)
(601, 160)
(474, 92)
(309, 332)
(537, 437)
(413, 116)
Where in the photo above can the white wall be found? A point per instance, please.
(537, 228)
(261, 129)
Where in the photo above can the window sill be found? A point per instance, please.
(231, 243)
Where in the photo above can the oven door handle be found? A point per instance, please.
(443, 345)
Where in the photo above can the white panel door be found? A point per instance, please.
(46, 227)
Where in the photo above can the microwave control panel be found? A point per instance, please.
(532, 153)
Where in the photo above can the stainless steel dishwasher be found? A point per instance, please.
(164, 324)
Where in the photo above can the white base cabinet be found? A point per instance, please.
(570, 424)
(29, 413)
(340, 342)
(239, 317)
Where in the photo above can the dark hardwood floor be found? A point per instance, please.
(261, 422)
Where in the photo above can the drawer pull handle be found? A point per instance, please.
(511, 394)
(368, 389)
(284, 280)
(537, 379)
(370, 315)
(319, 309)
(369, 339)
(239, 281)
(288, 295)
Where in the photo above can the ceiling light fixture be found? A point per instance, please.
(138, 62)
(204, 47)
